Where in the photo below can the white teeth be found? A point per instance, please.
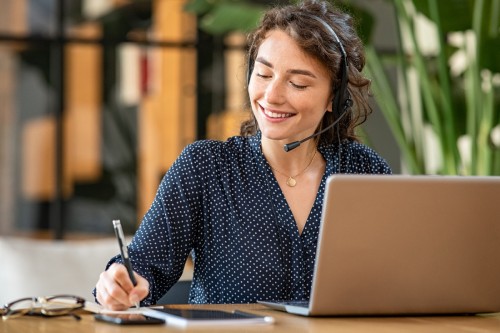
(276, 115)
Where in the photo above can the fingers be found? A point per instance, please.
(140, 291)
(115, 291)
(110, 292)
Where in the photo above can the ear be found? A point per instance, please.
(329, 107)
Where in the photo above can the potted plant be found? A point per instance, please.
(443, 112)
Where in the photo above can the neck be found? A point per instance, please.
(291, 162)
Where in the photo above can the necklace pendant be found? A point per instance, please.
(291, 182)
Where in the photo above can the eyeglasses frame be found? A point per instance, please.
(6, 311)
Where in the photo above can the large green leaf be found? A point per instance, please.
(222, 16)
(199, 7)
(455, 15)
(228, 17)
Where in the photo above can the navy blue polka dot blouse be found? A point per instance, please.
(221, 203)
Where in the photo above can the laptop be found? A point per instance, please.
(406, 245)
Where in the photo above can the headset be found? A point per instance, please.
(341, 102)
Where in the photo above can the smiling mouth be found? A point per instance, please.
(276, 115)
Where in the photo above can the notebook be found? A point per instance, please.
(406, 245)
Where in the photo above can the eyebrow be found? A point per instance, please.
(292, 71)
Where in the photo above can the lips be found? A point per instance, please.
(275, 114)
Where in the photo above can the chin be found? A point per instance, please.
(272, 135)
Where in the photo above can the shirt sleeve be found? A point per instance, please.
(161, 245)
(364, 160)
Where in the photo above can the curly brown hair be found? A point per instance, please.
(309, 23)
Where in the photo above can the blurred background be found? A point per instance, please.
(98, 98)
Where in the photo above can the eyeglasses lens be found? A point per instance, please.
(59, 305)
(19, 308)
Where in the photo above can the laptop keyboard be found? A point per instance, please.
(296, 303)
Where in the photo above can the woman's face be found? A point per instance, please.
(289, 90)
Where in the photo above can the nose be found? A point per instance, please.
(274, 92)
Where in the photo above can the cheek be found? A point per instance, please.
(254, 89)
(256, 92)
(251, 90)
(313, 106)
(321, 102)
(252, 96)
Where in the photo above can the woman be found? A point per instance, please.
(247, 210)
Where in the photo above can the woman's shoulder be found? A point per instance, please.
(234, 142)
(359, 158)
(366, 159)
(360, 149)
(214, 148)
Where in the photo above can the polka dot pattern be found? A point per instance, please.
(220, 203)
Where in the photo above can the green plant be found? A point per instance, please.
(456, 110)
(223, 16)
(457, 107)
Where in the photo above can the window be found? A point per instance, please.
(98, 98)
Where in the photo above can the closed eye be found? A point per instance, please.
(297, 86)
(263, 76)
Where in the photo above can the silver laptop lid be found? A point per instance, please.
(408, 245)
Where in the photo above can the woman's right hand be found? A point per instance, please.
(115, 291)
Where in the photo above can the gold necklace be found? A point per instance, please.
(291, 181)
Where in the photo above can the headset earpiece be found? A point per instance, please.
(342, 101)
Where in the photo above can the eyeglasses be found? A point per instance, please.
(52, 306)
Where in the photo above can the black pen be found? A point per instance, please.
(124, 252)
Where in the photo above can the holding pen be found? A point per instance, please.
(124, 252)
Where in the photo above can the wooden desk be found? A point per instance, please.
(285, 323)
